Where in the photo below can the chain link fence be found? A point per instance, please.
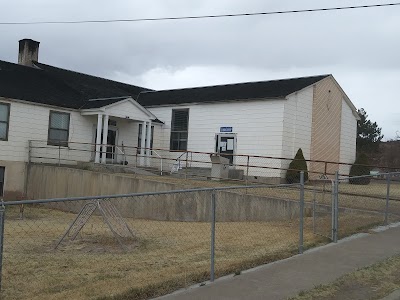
(323, 206)
(347, 205)
(364, 202)
(143, 245)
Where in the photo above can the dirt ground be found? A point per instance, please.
(162, 257)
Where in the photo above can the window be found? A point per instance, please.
(139, 143)
(179, 129)
(4, 121)
(2, 171)
(58, 128)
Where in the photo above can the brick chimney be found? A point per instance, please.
(28, 51)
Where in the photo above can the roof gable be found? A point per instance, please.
(124, 109)
(129, 108)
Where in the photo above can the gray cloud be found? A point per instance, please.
(360, 47)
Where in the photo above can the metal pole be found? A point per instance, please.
(247, 169)
(212, 254)
(2, 216)
(59, 155)
(336, 203)
(387, 198)
(314, 207)
(333, 209)
(301, 224)
(186, 167)
(29, 151)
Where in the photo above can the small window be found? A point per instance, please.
(2, 171)
(179, 129)
(4, 121)
(58, 128)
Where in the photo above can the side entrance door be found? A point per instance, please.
(226, 145)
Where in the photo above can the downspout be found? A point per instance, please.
(294, 127)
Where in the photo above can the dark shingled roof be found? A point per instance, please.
(274, 89)
(59, 87)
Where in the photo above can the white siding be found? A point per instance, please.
(31, 122)
(297, 125)
(258, 126)
(348, 136)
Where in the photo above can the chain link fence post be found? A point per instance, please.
(314, 208)
(212, 246)
(247, 170)
(387, 198)
(336, 207)
(59, 155)
(2, 216)
(301, 223)
(333, 210)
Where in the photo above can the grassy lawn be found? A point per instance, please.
(373, 282)
(163, 257)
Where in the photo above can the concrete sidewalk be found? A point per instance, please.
(288, 277)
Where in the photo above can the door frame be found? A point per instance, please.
(112, 128)
(114, 155)
(217, 140)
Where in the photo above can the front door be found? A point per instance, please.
(111, 143)
(225, 145)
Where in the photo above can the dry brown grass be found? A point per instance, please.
(164, 256)
(365, 197)
(373, 282)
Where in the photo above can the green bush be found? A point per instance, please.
(297, 165)
(360, 168)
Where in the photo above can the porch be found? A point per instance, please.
(119, 125)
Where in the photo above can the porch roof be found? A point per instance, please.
(125, 108)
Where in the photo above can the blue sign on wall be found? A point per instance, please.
(225, 129)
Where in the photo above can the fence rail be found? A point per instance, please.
(188, 164)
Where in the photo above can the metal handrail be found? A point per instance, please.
(177, 163)
(161, 161)
(122, 152)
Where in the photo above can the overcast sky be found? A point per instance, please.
(361, 48)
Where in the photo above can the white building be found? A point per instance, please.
(69, 112)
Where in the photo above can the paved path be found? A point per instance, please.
(393, 296)
(287, 278)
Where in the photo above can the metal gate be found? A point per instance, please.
(325, 208)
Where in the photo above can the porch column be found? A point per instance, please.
(105, 135)
(148, 139)
(98, 138)
(142, 143)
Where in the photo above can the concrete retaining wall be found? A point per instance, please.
(56, 182)
(14, 179)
